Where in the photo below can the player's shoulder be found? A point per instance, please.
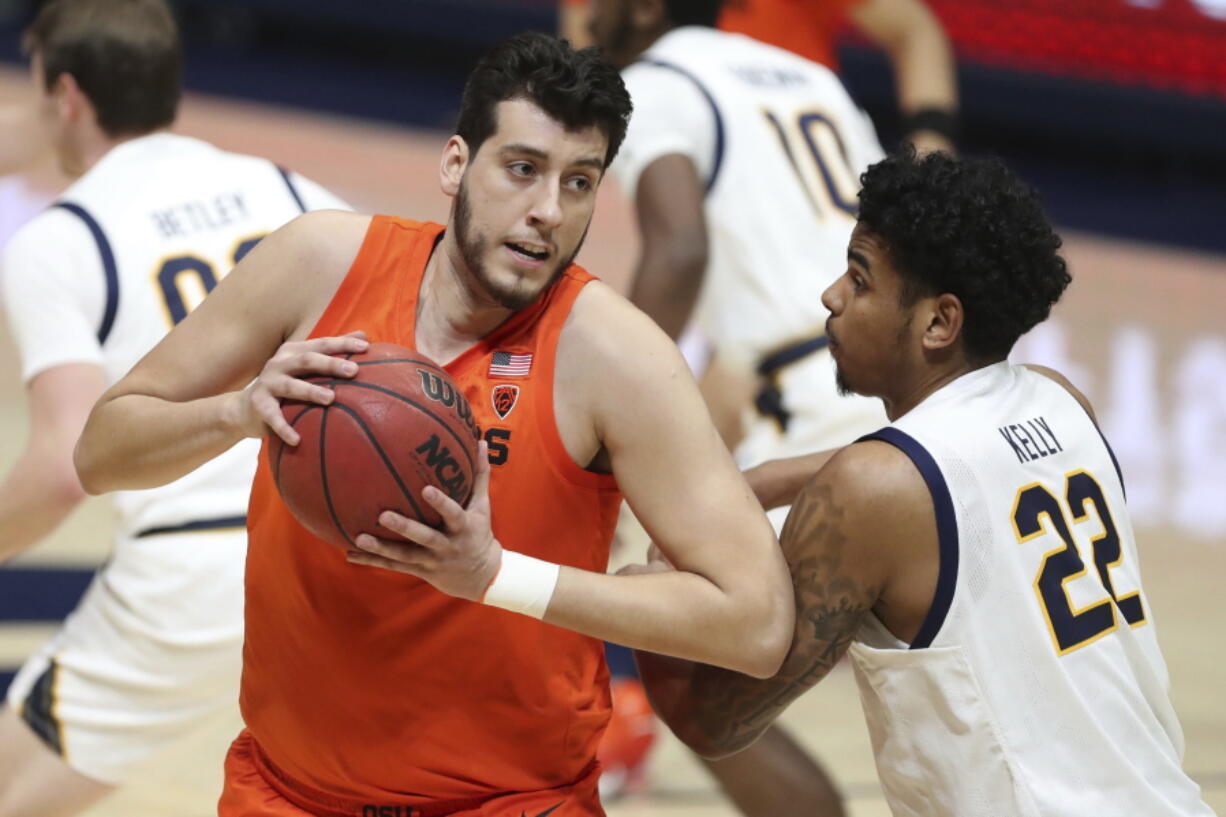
(266, 170)
(49, 233)
(613, 336)
(867, 502)
(871, 469)
(603, 317)
(690, 49)
(325, 233)
(1061, 380)
(653, 81)
(295, 270)
(330, 221)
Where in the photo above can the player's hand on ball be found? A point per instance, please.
(258, 407)
(461, 559)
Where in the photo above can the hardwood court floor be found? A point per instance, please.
(1164, 303)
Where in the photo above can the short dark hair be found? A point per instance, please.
(693, 12)
(124, 54)
(577, 88)
(971, 228)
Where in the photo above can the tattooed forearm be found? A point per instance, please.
(722, 711)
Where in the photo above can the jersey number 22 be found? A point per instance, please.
(1071, 628)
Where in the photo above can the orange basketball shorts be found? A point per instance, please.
(250, 791)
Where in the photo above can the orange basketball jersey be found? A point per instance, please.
(804, 27)
(368, 686)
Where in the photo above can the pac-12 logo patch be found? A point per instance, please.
(504, 398)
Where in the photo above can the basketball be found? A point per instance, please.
(399, 425)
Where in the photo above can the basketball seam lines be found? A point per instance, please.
(391, 467)
(423, 409)
(305, 409)
(414, 361)
(323, 477)
(276, 468)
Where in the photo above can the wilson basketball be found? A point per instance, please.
(399, 425)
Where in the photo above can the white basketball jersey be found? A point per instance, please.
(780, 146)
(130, 248)
(1035, 686)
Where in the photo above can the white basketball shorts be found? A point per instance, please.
(152, 654)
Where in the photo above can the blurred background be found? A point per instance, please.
(1115, 110)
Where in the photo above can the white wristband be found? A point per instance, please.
(523, 585)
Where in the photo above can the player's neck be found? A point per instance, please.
(923, 384)
(89, 146)
(452, 314)
(647, 38)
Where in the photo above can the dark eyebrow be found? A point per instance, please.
(537, 153)
(526, 150)
(590, 161)
(853, 255)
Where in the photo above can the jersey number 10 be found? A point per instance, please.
(817, 153)
(171, 273)
(1071, 628)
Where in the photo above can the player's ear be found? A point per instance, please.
(454, 162)
(71, 102)
(945, 320)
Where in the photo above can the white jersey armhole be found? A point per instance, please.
(673, 114)
(60, 289)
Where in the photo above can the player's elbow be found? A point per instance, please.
(768, 655)
(714, 741)
(766, 642)
(91, 474)
(87, 476)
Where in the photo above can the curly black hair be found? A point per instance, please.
(577, 88)
(971, 228)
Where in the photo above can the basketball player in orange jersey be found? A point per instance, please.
(369, 691)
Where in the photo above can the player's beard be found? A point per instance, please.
(901, 337)
(474, 246)
(840, 382)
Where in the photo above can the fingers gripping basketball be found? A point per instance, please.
(399, 425)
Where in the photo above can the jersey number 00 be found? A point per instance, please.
(185, 280)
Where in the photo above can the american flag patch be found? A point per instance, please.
(510, 364)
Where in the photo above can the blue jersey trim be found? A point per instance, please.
(197, 526)
(1110, 451)
(718, 161)
(947, 530)
(1119, 473)
(293, 191)
(108, 266)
